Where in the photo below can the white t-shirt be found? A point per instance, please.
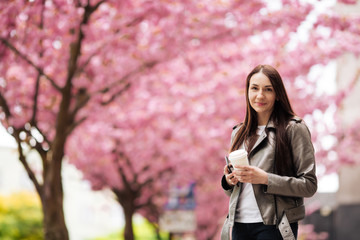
(247, 210)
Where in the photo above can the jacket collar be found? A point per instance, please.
(270, 124)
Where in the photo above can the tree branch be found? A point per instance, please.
(81, 68)
(139, 69)
(116, 94)
(37, 84)
(121, 155)
(82, 98)
(75, 52)
(24, 57)
(151, 180)
(38, 147)
(75, 47)
(74, 125)
(35, 105)
(5, 106)
(123, 194)
(22, 159)
(43, 135)
(123, 80)
(148, 203)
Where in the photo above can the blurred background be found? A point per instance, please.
(116, 115)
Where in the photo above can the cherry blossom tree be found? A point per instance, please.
(142, 95)
(200, 98)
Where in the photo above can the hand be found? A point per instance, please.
(230, 177)
(250, 174)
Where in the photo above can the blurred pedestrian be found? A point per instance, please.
(266, 197)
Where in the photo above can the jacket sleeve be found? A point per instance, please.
(304, 184)
(228, 189)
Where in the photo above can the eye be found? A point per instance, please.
(253, 88)
(269, 89)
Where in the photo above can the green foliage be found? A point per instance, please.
(143, 230)
(20, 217)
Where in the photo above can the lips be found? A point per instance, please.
(261, 104)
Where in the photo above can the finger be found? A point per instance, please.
(247, 168)
(229, 181)
(242, 173)
(232, 179)
(228, 177)
(243, 168)
(244, 180)
(232, 176)
(226, 170)
(237, 166)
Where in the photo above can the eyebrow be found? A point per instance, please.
(258, 85)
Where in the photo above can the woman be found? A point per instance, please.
(266, 198)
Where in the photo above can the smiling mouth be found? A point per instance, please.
(260, 104)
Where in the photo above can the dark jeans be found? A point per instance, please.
(259, 231)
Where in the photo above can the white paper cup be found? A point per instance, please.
(239, 157)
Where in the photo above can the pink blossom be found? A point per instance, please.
(158, 85)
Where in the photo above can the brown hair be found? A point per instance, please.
(281, 115)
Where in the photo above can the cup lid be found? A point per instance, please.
(238, 154)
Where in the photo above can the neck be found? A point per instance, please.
(263, 119)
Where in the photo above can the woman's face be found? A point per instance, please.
(261, 95)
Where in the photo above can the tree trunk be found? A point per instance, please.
(52, 194)
(157, 232)
(54, 221)
(128, 231)
(52, 205)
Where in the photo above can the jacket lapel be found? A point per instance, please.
(263, 135)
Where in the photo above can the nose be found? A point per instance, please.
(260, 94)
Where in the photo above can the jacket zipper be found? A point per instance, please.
(276, 213)
(275, 201)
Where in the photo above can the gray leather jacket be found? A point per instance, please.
(282, 199)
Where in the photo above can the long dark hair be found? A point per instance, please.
(281, 115)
